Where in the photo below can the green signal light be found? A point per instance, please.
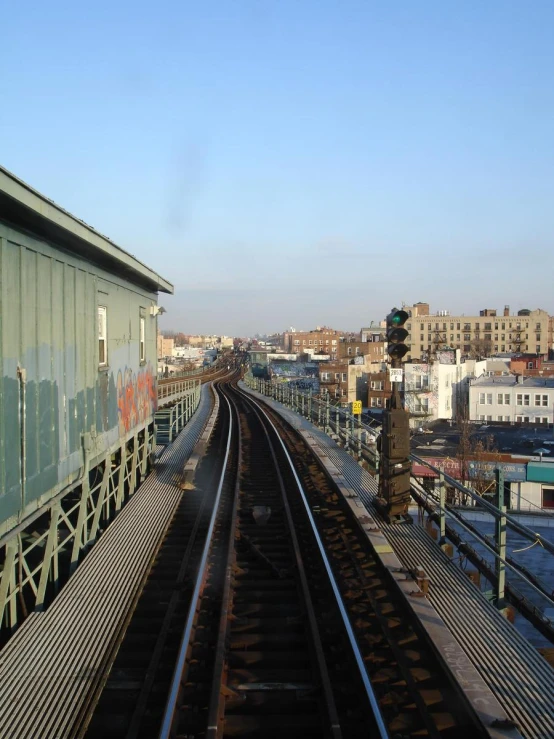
(397, 317)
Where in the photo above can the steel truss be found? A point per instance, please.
(40, 554)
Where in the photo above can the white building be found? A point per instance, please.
(514, 399)
(188, 352)
(435, 390)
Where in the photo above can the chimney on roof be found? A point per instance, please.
(519, 379)
(506, 310)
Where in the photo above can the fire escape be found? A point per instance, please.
(516, 339)
(414, 394)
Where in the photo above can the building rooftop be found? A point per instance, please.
(26, 208)
(511, 380)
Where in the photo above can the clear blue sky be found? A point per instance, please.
(267, 157)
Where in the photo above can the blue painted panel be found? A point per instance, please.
(513, 472)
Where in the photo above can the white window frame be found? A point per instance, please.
(142, 337)
(102, 336)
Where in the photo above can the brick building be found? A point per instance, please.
(373, 350)
(531, 365)
(322, 340)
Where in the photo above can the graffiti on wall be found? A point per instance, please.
(137, 397)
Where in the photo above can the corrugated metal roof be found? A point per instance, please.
(26, 208)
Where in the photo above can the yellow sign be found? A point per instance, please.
(356, 407)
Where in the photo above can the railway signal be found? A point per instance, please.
(396, 333)
(394, 446)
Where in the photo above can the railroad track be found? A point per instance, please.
(265, 612)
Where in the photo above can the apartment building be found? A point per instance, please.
(165, 346)
(322, 340)
(373, 349)
(345, 380)
(333, 380)
(514, 399)
(379, 387)
(435, 390)
(477, 336)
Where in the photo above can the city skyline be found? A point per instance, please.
(166, 322)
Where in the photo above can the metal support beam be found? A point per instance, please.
(133, 481)
(500, 541)
(49, 562)
(122, 475)
(7, 583)
(102, 495)
(440, 491)
(80, 536)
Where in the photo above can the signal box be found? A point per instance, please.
(395, 466)
(395, 434)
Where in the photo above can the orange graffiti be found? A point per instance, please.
(137, 397)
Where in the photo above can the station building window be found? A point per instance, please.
(102, 336)
(142, 336)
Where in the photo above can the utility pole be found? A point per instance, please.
(394, 442)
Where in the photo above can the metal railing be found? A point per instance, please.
(359, 440)
(169, 392)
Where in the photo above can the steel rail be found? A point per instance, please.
(474, 621)
(383, 733)
(490, 507)
(171, 703)
(336, 731)
(214, 709)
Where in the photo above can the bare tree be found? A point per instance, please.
(480, 348)
(475, 455)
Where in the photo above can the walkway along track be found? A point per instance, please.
(270, 627)
(133, 697)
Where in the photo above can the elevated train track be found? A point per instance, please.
(265, 610)
(289, 623)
